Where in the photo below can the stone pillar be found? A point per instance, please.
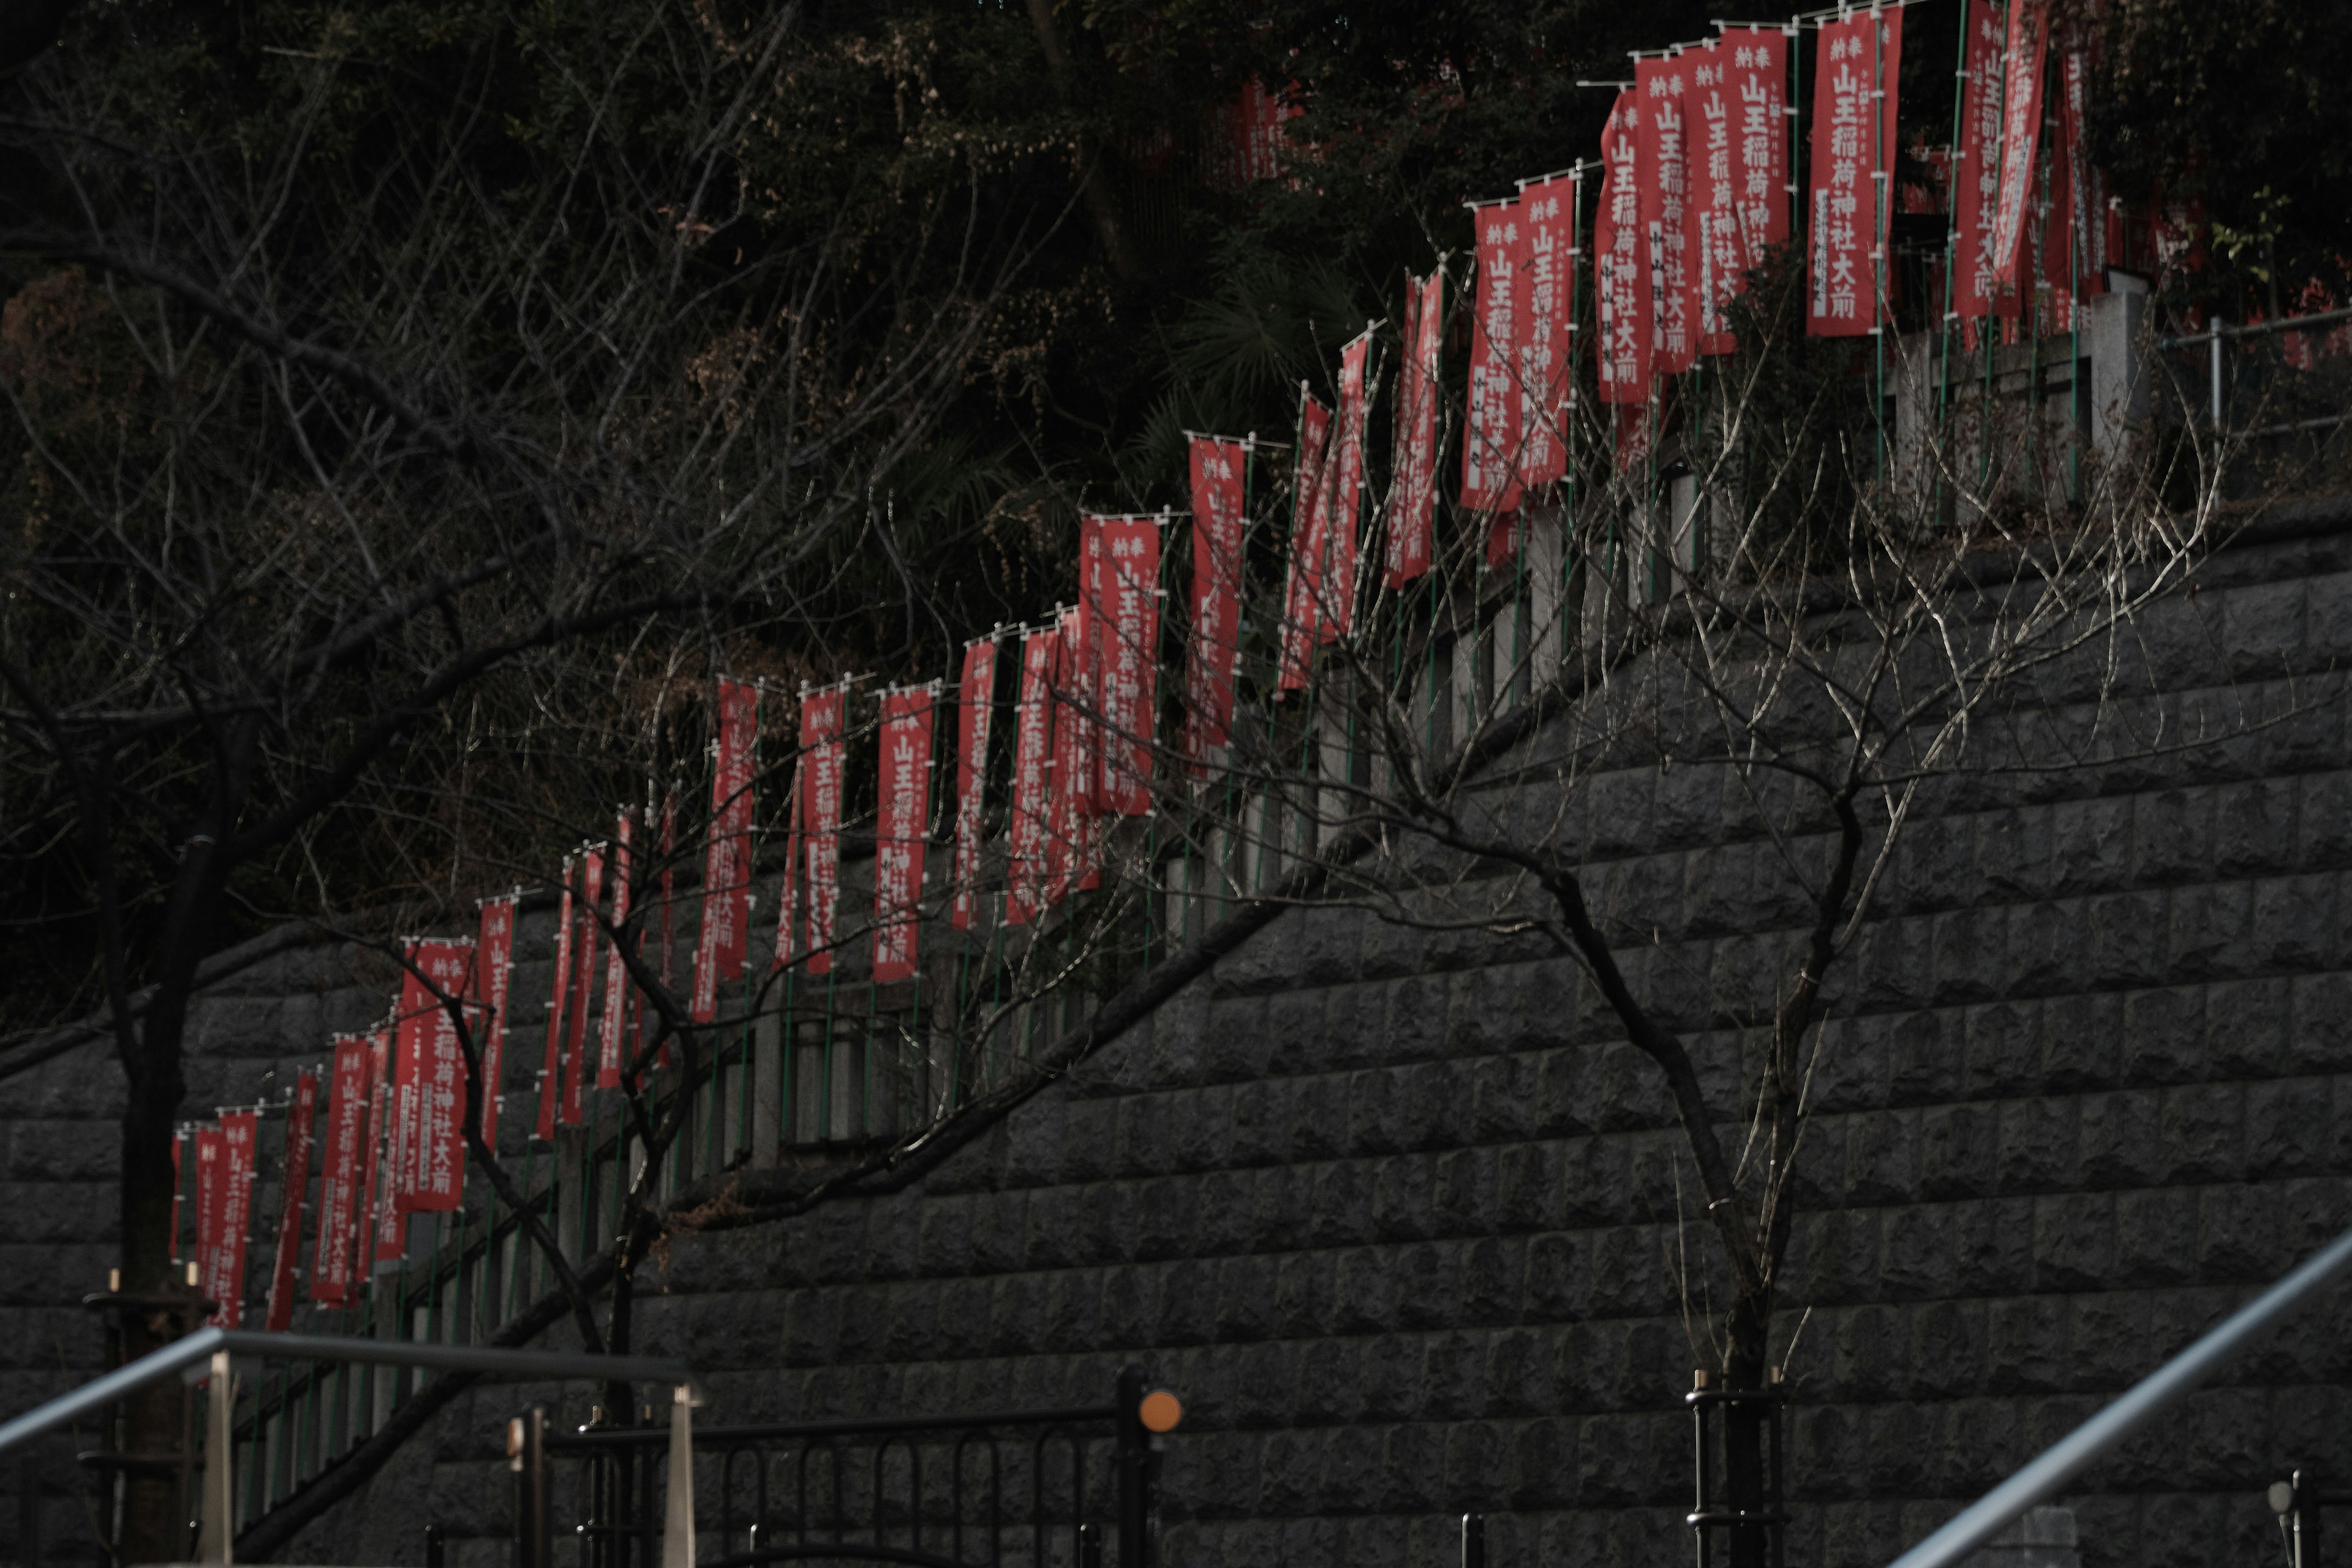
(2118, 383)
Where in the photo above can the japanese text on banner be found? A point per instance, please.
(901, 824)
(301, 1116)
(1855, 70)
(975, 708)
(1491, 436)
(1213, 662)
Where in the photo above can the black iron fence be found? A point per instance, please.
(975, 1489)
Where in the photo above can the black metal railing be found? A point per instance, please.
(972, 1490)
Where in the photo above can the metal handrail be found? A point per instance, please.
(191, 1349)
(2063, 1459)
(2257, 329)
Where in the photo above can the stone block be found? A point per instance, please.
(2090, 845)
(2119, 1139)
(1294, 1038)
(2164, 1036)
(2002, 1045)
(2201, 1134)
(2317, 1038)
(2038, 1143)
(2246, 1024)
(2074, 1241)
(2013, 855)
(1958, 1150)
(2082, 1042)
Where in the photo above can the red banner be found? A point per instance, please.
(212, 1222)
(1976, 172)
(1251, 143)
(1855, 70)
(1413, 495)
(386, 1221)
(179, 1186)
(342, 1174)
(493, 980)
(613, 1027)
(1665, 213)
(1213, 662)
(1070, 839)
(1620, 273)
(1490, 438)
(1545, 311)
(295, 1178)
(550, 1075)
(975, 709)
(722, 941)
(1033, 736)
(585, 945)
(1754, 64)
(1127, 664)
(429, 1078)
(2024, 42)
(901, 826)
(1078, 723)
(2091, 204)
(823, 761)
(1336, 608)
(1716, 255)
(1301, 591)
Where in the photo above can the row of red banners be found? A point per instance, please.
(394, 1146)
(1697, 159)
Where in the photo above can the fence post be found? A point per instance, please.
(527, 1448)
(678, 1504)
(220, 1464)
(1134, 1456)
(1474, 1541)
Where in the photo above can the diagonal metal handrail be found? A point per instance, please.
(193, 1350)
(2065, 1459)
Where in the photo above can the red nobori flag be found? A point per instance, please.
(1069, 843)
(1336, 609)
(1754, 61)
(1302, 592)
(1547, 309)
(1710, 120)
(1214, 661)
(726, 860)
(612, 1027)
(342, 1172)
(1665, 214)
(2027, 37)
(212, 1219)
(576, 1071)
(1976, 174)
(902, 822)
(386, 1221)
(1033, 738)
(1250, 139)
(1855, 70)
(300, 1118)
(224, 1203)
(1079, 724)
(2085, 183)
(551, 1078)
(1412, 503)
(1127, 663)
(493, 980)
(1490, 439)
(823, 761)
(975, 709)
(429, 1078)
(788, 886)
(1621, 272)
